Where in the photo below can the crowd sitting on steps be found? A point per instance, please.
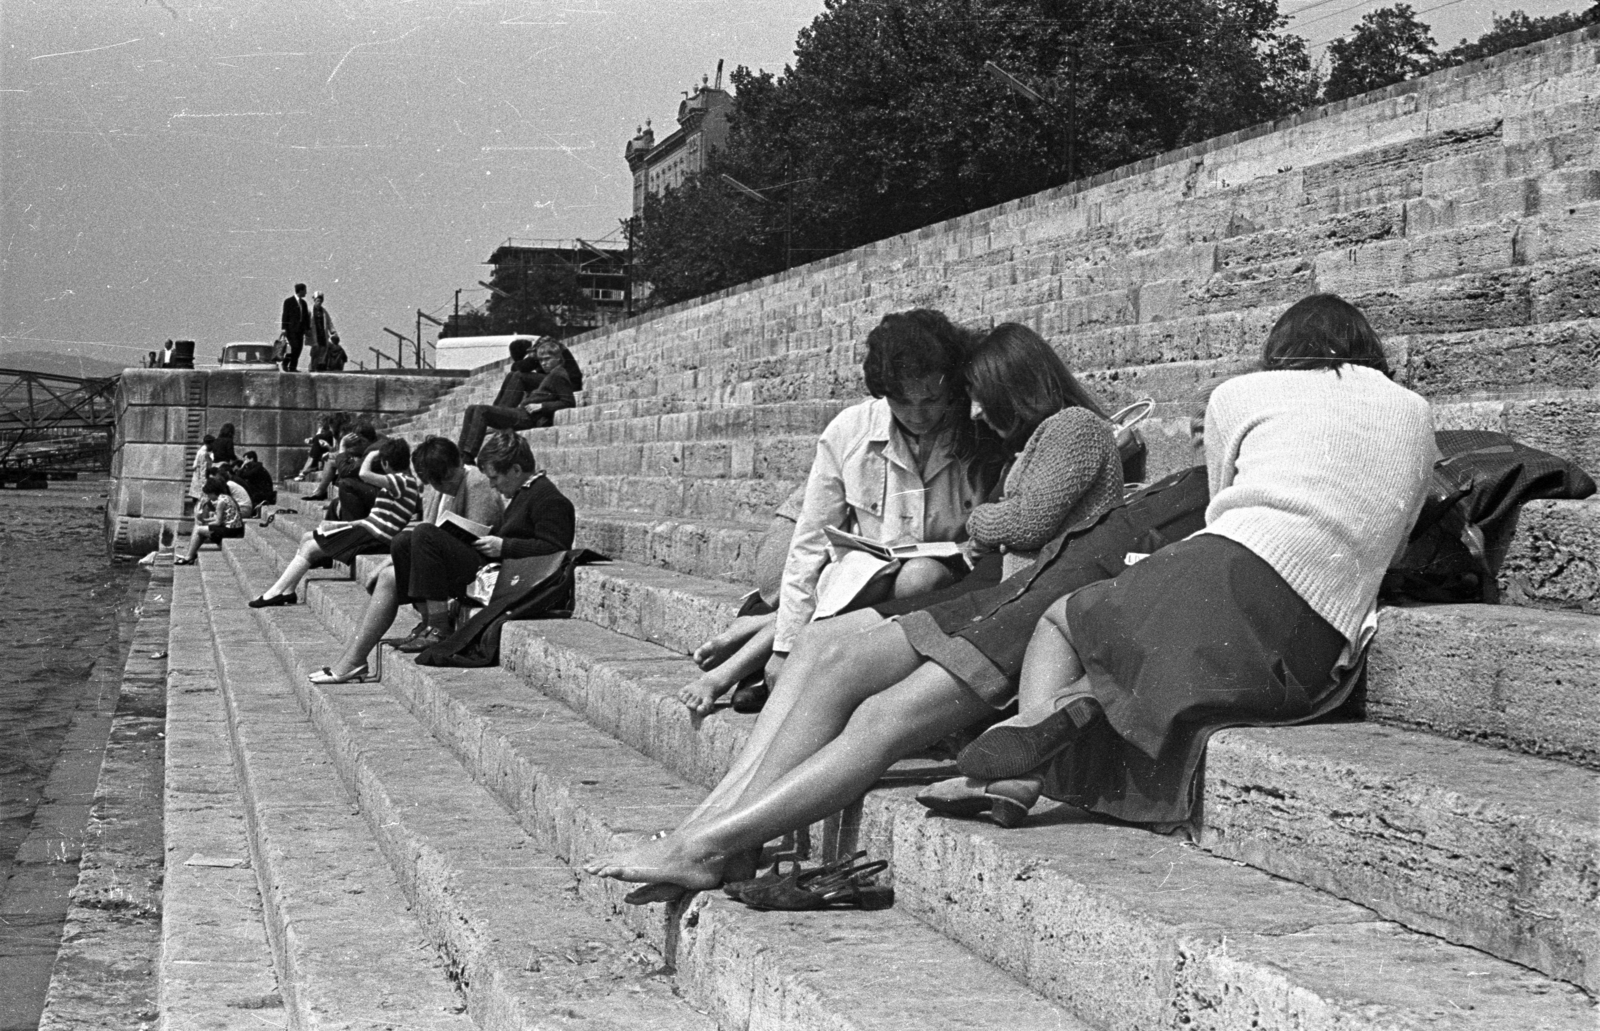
(1077, 637)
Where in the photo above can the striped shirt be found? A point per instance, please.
(395, 507)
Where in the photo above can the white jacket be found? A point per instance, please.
(865, 480)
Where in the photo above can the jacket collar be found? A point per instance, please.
(882, 430)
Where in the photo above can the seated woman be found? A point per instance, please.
(450, 487)
(538, 520)
(345, 463)
(388, 469)
(1068, 476)
(900, 468)
(537, 407)
(1317, 466)
(217, 518)
(1023, 391)
(1320, 460)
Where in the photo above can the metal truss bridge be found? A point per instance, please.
(52, 424)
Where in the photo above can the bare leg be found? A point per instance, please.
(921, 575)
(323, 479)
(732, 639)
(718, 681)
(298, 567)
(1051, 668)
(376, 620)
(918, 710)
(198, 537)
(881, 656)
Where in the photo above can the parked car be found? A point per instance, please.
(247, 352)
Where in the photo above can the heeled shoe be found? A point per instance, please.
(326, 675)
(264, 602)
(1010, 750)
(1006, 802)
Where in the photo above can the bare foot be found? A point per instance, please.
(702, 695)
(710, 654)
(660, 861)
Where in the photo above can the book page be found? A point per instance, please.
(842, 581)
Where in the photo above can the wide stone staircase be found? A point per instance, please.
(407, 853)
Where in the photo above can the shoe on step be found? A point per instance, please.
(273, 602)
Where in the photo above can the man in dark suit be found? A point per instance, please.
(296, 321)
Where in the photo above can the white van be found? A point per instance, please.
(476, 352)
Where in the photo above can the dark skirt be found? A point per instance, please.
(344, 545)
(1200, 636)
(219, 532)
(980, 636)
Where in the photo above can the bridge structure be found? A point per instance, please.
(51, 425)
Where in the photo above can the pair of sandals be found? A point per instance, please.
(847, 883)
(844, 884)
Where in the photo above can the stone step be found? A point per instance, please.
(346, 950)
(1050, 903)
(1382, 854)
(716, 549)
(575, 792)
(1554, 560)
(216, 962)
(756, 457)
(498, 905)
(742, 499)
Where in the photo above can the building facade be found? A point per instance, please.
(703, 118)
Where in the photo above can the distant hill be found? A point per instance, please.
(59, 364)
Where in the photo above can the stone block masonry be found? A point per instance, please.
(162, 414)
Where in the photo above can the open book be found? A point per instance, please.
(465, 530)
(859, 561)
(842, 541)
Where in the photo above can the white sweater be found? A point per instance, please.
(1321, 474)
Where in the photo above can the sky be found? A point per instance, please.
(170, 168)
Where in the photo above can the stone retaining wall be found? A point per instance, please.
(162, 414)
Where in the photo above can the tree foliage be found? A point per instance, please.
(534, 295)
(888, 121)
(1388, 45)
(1516, 30)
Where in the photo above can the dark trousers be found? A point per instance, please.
(438, 566)
(481, 418)
(296, 342)
(355, 498)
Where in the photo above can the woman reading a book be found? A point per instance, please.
(452, 489)
(861, 691)
(387, 469)
(895, 469)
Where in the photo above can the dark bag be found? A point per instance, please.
(1469, 515)
(541, 587)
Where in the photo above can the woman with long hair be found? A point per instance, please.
(861, 692)
(1316, 466)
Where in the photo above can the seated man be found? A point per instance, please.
(536, 408)
(434, 567)
(256, 481)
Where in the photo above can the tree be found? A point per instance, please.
(1388, 45)
(534, 292)
(888, 119)
(1516, 30)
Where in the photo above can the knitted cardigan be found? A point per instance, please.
(1320, 473)
(1068, 471)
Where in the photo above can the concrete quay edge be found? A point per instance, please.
(748, 969)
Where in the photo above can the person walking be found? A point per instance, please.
(296, 323)
(324, 338)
